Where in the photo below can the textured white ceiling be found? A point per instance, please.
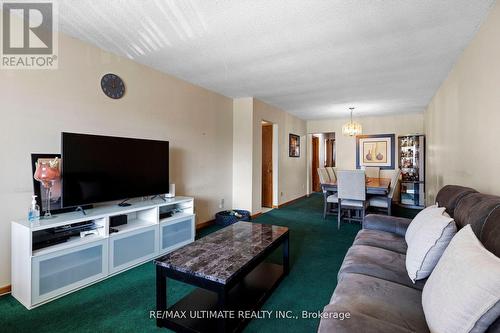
(312, 58)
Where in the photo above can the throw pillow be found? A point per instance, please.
(463, 292)
(426, 247)
(422, 216)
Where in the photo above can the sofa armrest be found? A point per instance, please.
(396, 225)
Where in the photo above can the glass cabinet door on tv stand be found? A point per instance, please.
(412, 164)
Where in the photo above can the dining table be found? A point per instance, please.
(380, 186)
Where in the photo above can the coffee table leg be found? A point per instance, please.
(286, 257)
(161, 295)
(221, 306)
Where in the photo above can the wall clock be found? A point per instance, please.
(112, 85)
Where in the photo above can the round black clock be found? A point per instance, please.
(112, 85)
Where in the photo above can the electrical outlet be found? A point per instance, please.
(221, 203)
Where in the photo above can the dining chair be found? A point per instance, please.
(331, 173)
(323, 176)
(384, 202)
(330, 199)
(371, 172)
(351, 187)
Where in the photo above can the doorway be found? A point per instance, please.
(267, 164)
(323, 154)
(315, 164)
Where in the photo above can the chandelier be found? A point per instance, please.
(352, 128)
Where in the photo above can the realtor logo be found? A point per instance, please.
(29, 40)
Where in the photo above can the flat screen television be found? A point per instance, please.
(99, 168)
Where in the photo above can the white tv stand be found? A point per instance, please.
(39, 276)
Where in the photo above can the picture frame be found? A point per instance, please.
(376, 150)
(293, 145)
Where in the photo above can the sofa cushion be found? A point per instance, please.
(392, 224)
(428, 244)
(463, 292)
(374, 305)
(381, 239)
(357, 322)
(475, 209)
(495, 327)
(490, 234)
(450, 195)
(482, 212)
(377, 262)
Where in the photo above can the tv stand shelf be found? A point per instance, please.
(70, 243)
(131, 226)
(42, 275)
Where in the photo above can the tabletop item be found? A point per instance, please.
(34, 210)
(47, 172)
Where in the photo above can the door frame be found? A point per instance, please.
(276, 163)
(309, 158)
(315, 186)
(267, 146)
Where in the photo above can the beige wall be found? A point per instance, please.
(346, 146)
(247, 152)
(462, 122)
(242, 153)
(291, 170)
(37, 105)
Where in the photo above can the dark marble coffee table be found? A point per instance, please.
(229, 270)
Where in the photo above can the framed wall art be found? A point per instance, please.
(293, 145)
(375, 150)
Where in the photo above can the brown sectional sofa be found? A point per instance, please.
(373, 285)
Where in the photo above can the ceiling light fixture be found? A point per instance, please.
(352, 128)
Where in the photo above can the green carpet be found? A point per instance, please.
(122, 303)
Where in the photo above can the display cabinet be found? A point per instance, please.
(412, 164)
